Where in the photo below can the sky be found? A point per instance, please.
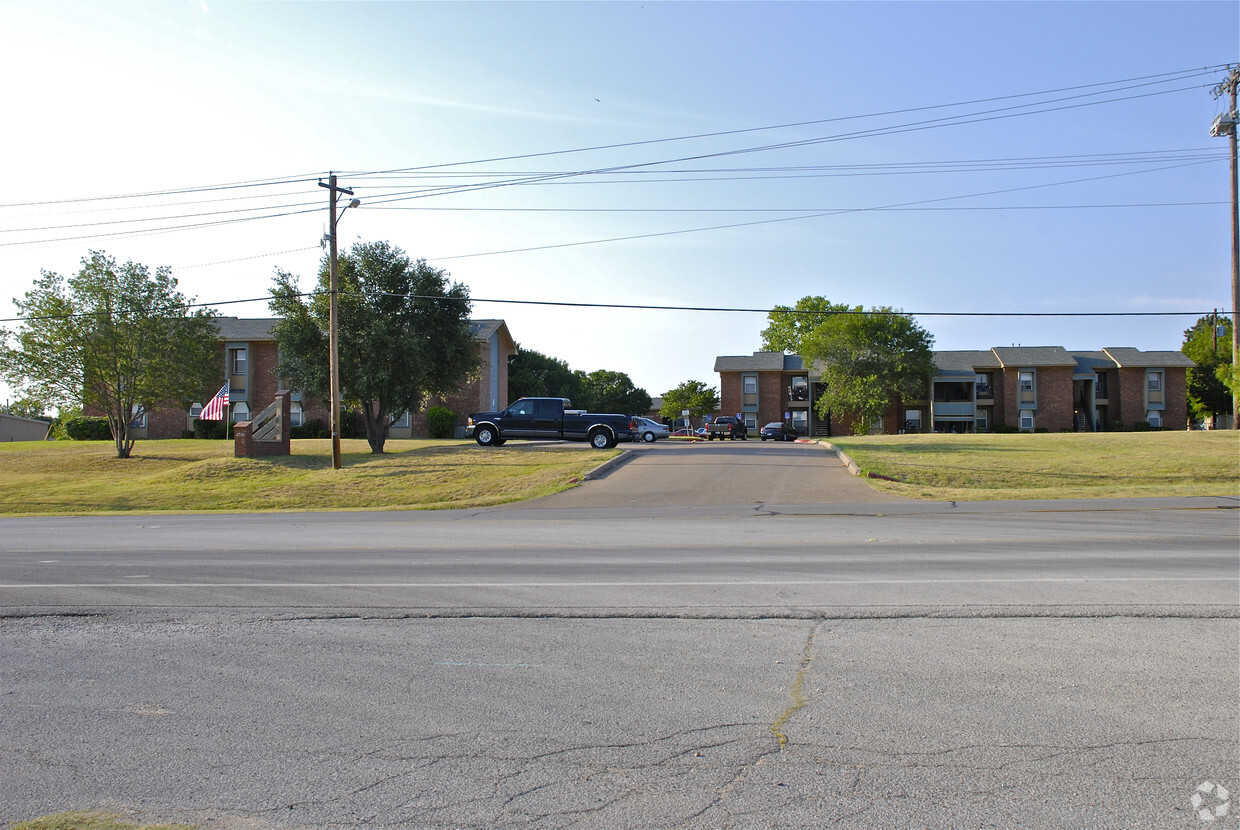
(632, 185)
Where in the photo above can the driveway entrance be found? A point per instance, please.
(708, 473)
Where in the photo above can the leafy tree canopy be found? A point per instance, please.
(1211, 381)
(787, 327)
(867, 360)
(693, 395)
(604, 391)
(117, 338)
(532, 374)
(26, 408)
(403, 334)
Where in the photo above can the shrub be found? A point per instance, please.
(188, 433)
(1041, 429)
(310, 429)
(1141, 426)
(209, 429)
(440, 421)
(84, 428)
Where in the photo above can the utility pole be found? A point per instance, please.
(1226, 125)
(333, 291)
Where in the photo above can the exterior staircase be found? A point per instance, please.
(1084, 423)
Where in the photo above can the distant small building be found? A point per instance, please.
(1031, 388)
(249, 358)
(13, 428)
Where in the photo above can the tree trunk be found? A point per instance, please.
(376, 426)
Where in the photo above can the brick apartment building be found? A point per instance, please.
(1032, 388)
(249, 354)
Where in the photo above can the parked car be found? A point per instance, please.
(649, 431)
(778, 432)
(700, 432)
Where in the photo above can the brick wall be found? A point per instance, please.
(1175, 386)
(1131, 398)
(1054, 386)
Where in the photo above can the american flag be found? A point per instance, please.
(217, 407)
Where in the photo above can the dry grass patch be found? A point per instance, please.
(63, 478)
(90, 820)
(1050, 465)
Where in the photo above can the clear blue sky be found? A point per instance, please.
(1112, 207)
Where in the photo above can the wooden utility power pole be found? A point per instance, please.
(1226, 125)
(333, 292)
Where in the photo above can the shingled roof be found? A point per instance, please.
(760, 362)
(1013, 357)
(1127, 358)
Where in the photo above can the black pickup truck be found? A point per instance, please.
(549, 419)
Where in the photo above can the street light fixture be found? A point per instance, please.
(333, 292)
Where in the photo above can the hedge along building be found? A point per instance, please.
(1030, 388)
(250, 356)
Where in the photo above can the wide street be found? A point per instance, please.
(753, 653)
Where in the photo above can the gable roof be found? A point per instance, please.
(961, 363)
(1012, 357)
(760, 362)
(260, 328)
(1128, 358)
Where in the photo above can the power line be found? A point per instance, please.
(688, 308)
(756, 222)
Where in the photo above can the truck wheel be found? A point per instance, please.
(601, 439)
(486, 436)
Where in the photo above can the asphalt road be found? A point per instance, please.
(752, 663)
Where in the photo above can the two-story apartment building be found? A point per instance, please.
(249, 353)
(1043, 387)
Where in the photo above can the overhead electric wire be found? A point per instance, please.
(797, 218)
(1167, 77)
(655, 307)
(1032, 108)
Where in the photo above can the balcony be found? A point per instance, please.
(962, 409)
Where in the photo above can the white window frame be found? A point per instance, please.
(401, 421)
(1153, 417)
(913, 415)
(240, 407)
(296, 416)
(195, 409)
(137, 421)
(1026, 419)
(981, 420)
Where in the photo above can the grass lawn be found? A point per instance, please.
(1050, 465)
(90, 820)
(78, 477)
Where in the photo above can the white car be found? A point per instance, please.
(649, 431)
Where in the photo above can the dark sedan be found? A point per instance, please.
(778, 432)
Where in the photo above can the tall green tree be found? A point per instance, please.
(533, 374)
(1211, 381)
(867, 360)
(403, 334)
(117, 338)
(607, 391)
(788, 326)
(693, 395)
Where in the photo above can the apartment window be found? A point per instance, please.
(401, 421)
(295, 415)
(239, 361)
(799, 391)
(1154, 418)
(195, 409)
(1154, 385)
(749, 390)
(985, 385)
(240, 412)
(751, 421)
(912, 420)
(1026, 419)
(800, 421)
(1028, 389)
(138, 421)
(982, 420)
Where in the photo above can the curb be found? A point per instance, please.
(843, 457)
(607, 466)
